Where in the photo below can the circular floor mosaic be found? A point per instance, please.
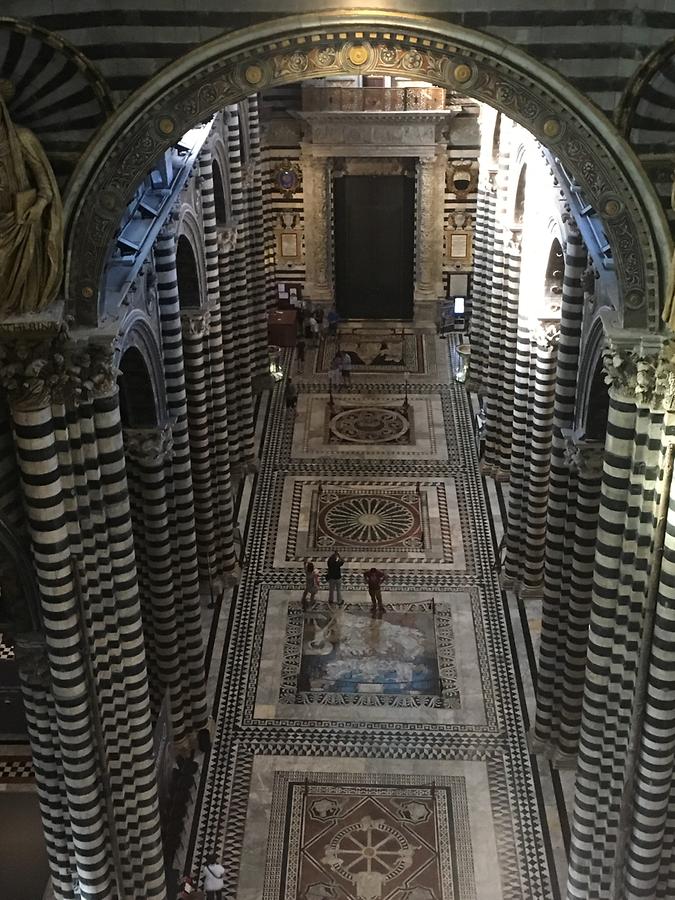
(369, 520)
(369, 425)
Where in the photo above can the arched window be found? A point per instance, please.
(553, 279)
(519, 203)
(598, 406)
(496, 137)
(219, 195)
(137, 399)
(187, 274)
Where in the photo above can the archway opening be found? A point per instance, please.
(187, 274)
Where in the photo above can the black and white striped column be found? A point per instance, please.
(481, 283)
(179, 484)
(623, 818)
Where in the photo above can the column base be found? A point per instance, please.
(537, 747)
(507, 583)
(528, 591)
(562, 760)
(425, 312)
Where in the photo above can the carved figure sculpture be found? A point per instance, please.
(31, 219)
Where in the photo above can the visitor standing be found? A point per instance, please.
(335, 374)
(313, 329)
(213, 878)
(300, 348)
(311, 584)
(332, 320)
(374, 578)
(291, 394)
(346, 361)
(334, 565)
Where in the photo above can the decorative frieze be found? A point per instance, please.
(585, 457)
(195, 323)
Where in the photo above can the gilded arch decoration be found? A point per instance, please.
(295, 48)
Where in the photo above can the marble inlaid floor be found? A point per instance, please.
(362, 757)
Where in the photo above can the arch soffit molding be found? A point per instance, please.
(233, 66)
(137, 331)
(187, 226)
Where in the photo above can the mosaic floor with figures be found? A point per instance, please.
(357, 755)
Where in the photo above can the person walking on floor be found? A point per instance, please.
(213, 878)
(291, 394)
(311, 584)
(313, 329)
(300, 348)
(335, 374)
(334, 565)
(374, 578)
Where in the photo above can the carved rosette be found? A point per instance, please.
(647, 378)
(149, 445)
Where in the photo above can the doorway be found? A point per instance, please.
(374, 250)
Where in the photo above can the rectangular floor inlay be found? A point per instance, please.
(403, 658)
(369, 837)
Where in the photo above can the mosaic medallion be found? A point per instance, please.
(369, 837)
(370, 425)
(369, 520)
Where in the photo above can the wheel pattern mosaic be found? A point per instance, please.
(338, 837)
(370, 425)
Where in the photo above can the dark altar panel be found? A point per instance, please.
(374, 241)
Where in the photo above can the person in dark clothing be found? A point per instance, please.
(374, 578)
(334, 565)
(291, 394)
(300, 349)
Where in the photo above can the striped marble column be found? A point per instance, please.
(260, 372)
(96, 767)
(623, 817)
(218, 431)
(195, 325)
(149, 449)
(481, 284)
(179, 483)
(573, 497)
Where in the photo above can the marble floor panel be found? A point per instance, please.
(398, 523)
(422, 661)
(372, 426)
(374, 829)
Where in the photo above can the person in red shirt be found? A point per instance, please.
(374, 578)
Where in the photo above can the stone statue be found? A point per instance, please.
(31, 219)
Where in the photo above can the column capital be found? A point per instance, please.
(149, 445)
(195, 322)
(546, 333)
(582, 455)
(227, 236)
(642, 371)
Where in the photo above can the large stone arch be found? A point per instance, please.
(299, 47)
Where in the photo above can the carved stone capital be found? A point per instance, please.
(31, 367)
(91, 371)
(30, 651)
(546, 334)
(195, 323)
(582, 456)
(647, 378)
(227, 237)
(248, 173)
(149, 445)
